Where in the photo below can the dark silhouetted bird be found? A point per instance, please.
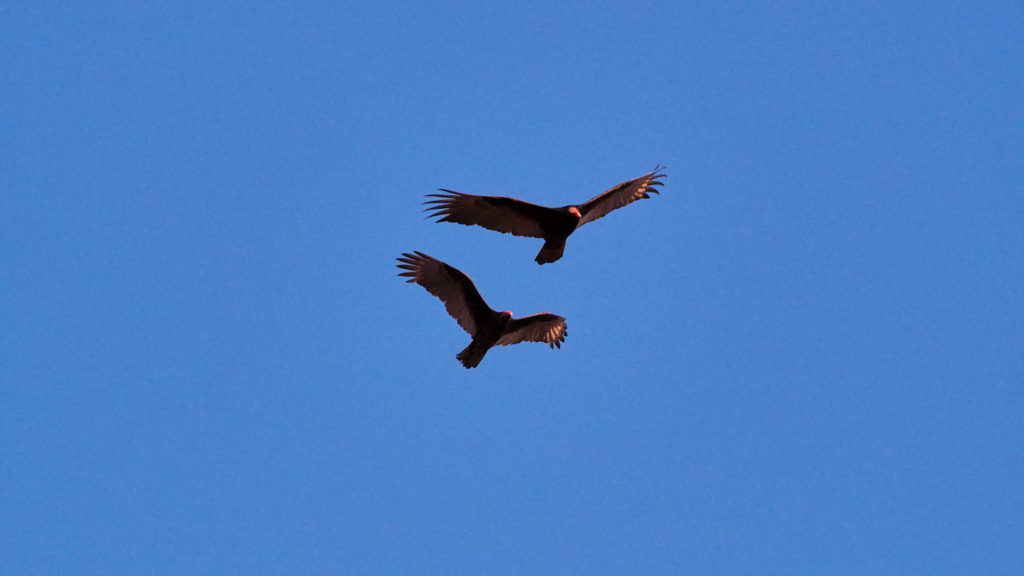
(487, 327)
(554, 225)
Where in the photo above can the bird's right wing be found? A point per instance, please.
(619, 196)
(455, 289)
(497, 213)
(547, 328)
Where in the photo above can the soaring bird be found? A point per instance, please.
(487, 327)
(519, 218)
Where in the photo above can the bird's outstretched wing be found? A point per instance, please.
(455, 289)
(498, 213)
(547, 328)
(621, 195)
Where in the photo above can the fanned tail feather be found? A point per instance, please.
(472, 355)
(551, 251)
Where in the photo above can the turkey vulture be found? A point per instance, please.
(487, 327)
(554, 225)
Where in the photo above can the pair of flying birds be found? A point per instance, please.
(461, 298)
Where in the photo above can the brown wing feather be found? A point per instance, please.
(547, 328)
(620, 195)
(497, 213)
(455, 289)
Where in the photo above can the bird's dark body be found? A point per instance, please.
(486, 337)
(557, 229)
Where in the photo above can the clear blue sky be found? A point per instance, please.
(806, 356)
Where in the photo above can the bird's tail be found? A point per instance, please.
(551, 251)
(472, 355)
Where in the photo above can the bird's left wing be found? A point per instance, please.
(498, 213)
(450, 285)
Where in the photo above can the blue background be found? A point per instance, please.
(803, 357)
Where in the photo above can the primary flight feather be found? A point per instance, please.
(519, 218)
